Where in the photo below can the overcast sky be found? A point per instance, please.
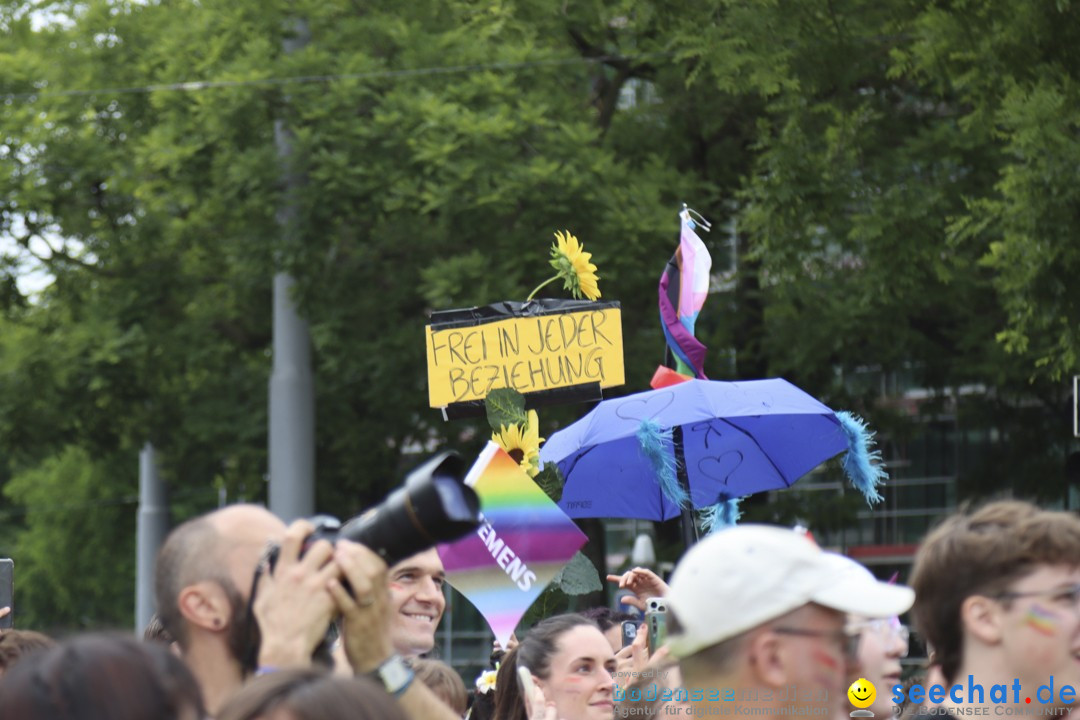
(32, 277)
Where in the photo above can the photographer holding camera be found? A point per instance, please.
(235, 609)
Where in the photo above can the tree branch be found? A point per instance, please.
(57, 255)
(606, 91)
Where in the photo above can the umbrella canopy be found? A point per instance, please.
(725, 439)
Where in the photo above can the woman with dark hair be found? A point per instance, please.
(100, 676)
(508, 698)
(571, 664)
(610, 622)
(311, 695)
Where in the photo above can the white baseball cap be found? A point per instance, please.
(744, 576)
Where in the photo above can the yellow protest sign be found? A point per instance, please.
(529, 354)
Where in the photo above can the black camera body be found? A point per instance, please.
(433, 506)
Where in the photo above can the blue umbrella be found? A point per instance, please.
(701, 443)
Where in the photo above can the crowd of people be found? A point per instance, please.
(761, 621)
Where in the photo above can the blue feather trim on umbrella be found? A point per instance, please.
(719, 516)
(656, 444)
(861, 464)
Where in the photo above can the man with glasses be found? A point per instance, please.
(882, 643)
(999, 603)
(759, 620)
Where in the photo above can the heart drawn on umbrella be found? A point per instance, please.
(640, 409)
(721, 467)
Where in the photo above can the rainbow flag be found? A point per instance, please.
(684, 285)
(525, 540)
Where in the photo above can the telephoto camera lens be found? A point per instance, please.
(434, 506)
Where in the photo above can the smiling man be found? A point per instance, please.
(416, 602)
(999, 600)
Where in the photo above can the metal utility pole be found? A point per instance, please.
(151, 523)
(292, 384)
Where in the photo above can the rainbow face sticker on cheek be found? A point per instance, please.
(1041, 620)
(862, 693)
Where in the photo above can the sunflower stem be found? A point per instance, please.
(537, 289)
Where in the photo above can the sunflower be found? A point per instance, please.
(572, 266)
(569, 258)
(522, 443)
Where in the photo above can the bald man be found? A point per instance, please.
(203, 586)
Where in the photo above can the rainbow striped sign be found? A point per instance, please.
(525, 540)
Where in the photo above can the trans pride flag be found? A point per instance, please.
(683, 289)
(524, 542)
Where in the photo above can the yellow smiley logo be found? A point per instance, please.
(862, 693)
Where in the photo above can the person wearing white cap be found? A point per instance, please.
(758, 617)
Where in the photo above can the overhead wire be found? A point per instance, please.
(129, 499)
(197, 85)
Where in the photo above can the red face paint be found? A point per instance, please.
(826, 659)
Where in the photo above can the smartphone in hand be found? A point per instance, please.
(7, 591)
(656, 623)
(629, 632)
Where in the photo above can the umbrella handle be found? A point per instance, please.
(689, 525)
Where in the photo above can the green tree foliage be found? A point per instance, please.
(156, 211)
(905, 206)
(75, 560)
(897, 177)
(1010, 73)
